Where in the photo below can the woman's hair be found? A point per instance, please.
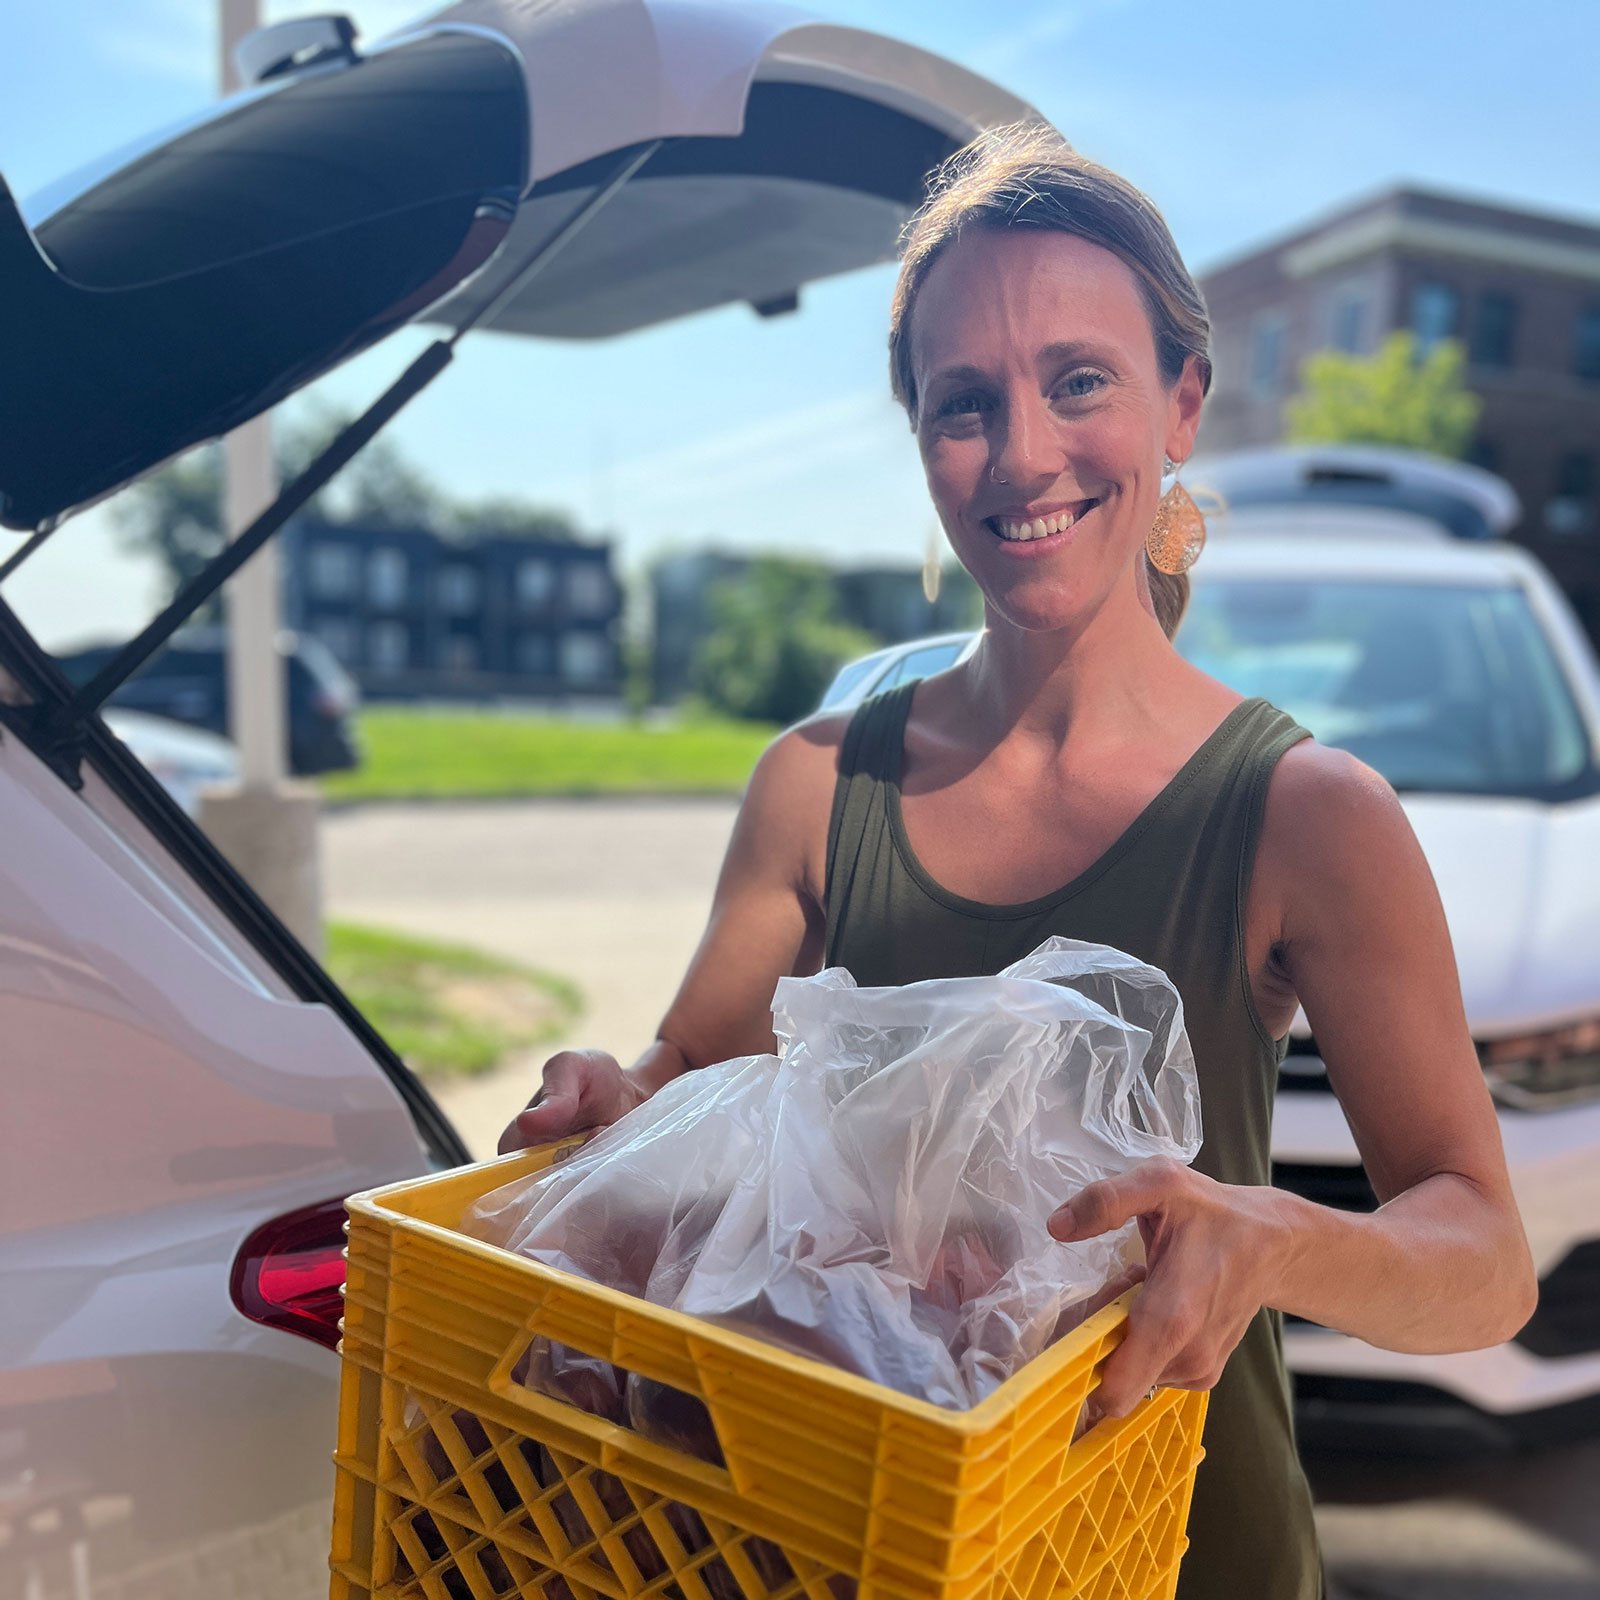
(1028, 176)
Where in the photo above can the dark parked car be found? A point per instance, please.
(188, 682)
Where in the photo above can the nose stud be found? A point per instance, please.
(994, 476)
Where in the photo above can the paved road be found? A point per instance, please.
(614, 895)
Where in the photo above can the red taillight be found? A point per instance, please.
(330, 703)
(289, 1273)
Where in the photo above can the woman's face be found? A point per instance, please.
(1043, 418)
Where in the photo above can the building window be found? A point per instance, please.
(1570, 511)
(1435, 308)
(458, 591)
(589, 591)
(386, 579)
(389, 646)
(1267, 340)
(536, 655)
(1348, 324)
(458, 653)
(1494, 329)
(536, 581)
(333, 571)
(585, 657)
(1586, 354)
(342, 638)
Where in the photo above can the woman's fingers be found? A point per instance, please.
(1101, 1207)
(552, 1116)
(581, 1089)
(1158, 1333)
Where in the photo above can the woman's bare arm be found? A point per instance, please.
(766, 913)
(765, 923)
(1443, 1264)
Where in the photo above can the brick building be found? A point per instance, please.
(1520, 290)
(411, 615)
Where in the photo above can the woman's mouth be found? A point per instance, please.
(1039, 526)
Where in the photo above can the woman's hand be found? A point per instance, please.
(582, 1089)
(1212, 1256)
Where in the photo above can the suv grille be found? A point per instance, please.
(1567, 1322)
(1301, 1070)
(1343, 1188)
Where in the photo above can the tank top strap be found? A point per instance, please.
(1193, 871)
(1211, 822)
(858, 826)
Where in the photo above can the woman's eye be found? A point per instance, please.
(961, 405)
(1080, 385)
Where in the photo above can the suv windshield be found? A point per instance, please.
(1443, 688)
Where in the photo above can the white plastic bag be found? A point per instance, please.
(877, 1195)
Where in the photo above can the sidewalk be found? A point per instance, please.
(612, 894)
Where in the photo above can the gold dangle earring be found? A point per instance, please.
(932, 576)
(1178, 533)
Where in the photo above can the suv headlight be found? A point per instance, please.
(1545, 1071)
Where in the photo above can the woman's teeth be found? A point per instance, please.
(1036, 528)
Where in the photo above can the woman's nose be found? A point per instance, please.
(1025, 449)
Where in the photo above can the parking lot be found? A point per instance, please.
(614, 894)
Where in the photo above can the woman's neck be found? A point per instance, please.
(1114, 675)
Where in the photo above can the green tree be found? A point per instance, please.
(1393, 398)
(775, 642)
(175, 515)
(506, 516)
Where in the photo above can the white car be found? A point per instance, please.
(183, 760)
(188, 1099)
(1367, 594)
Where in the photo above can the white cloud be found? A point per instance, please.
(172, 39)
(1045, 26)
(838, 478)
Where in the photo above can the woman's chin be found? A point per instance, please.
(1038, 608)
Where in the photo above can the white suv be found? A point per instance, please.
(1369, 594)
(187, 1097)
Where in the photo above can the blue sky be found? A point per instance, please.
(1242, 118)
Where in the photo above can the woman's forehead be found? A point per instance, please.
(1011, 291)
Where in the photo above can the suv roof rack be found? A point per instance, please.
(1466, 501)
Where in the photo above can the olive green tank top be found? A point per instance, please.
(1170, 891)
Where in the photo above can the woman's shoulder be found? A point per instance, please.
(791, 787)
(1328, 820)
(786, 809)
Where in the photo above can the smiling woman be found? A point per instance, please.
(1075, 776)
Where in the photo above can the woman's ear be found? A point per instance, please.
(1187, 398)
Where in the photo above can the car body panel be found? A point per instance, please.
(308, 219)
(685, 68)
(162, 1098)
(795, 151)
(1519, 885)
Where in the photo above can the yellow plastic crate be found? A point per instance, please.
(456, 1481)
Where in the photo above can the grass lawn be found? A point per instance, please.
(444, 1008)
(409, 754)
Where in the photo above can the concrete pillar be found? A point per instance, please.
(266, 825)
(270, 836)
